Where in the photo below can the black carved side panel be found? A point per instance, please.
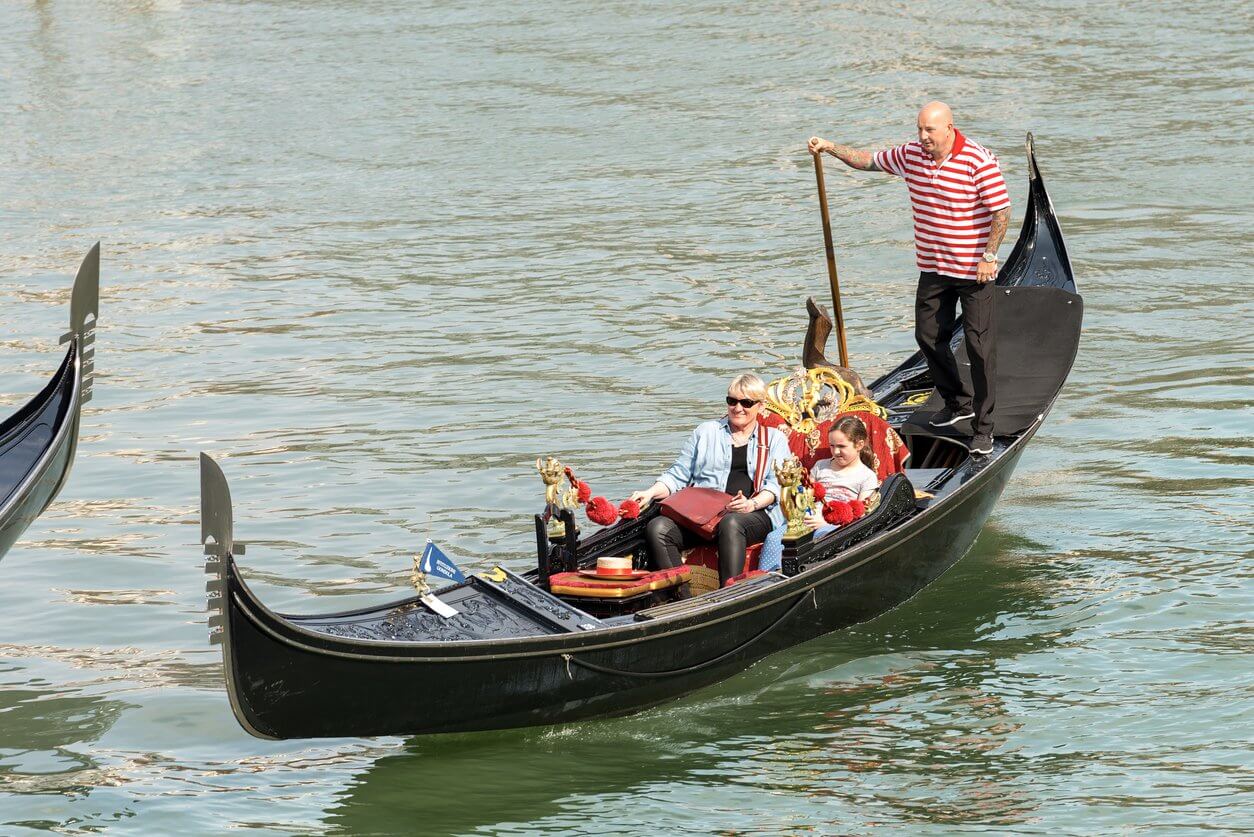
(480, 616)
(896, 504)
(541, 603)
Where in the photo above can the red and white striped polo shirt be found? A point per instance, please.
(953, 202)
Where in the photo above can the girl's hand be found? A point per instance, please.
(815, 519)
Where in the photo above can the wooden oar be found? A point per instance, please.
(831, 261)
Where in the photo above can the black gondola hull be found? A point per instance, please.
(313, 687)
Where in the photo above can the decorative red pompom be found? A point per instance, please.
(629, 510)
(838, 513)
(858, 508)
(601, 511)
(820, 491)
(585, 491)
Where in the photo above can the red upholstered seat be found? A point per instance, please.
(890, 451)
(797, 442)
(743, 576)
(574, 584)
(706, 555)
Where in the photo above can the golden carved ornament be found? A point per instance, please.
(796, 498)
(552, 472)
(418, 578)
(871, 503)
(808, 397)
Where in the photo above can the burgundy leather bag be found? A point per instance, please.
(699, 510)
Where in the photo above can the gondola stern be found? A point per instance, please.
(1034, 173)
(1040, 201)
(216, 515)
(220, 547)
(1039, 256)
(85, 300)
(84, 312)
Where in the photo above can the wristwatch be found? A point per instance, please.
(991, 258)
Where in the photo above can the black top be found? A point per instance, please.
(739, 478)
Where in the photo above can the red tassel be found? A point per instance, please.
(601, 511)
(629, 510)
(838, 513)
(820, 491)
(858, 508)
(585, 491)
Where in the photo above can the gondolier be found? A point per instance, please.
(961, 209)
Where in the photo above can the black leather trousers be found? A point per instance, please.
(666, 540)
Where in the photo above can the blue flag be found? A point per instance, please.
(435, 563)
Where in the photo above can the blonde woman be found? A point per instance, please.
(722, 454)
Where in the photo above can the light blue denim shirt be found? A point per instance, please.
(705, 461)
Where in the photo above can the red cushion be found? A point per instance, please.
(706, 555)
(890, 451)
(574, 584)
(743, 576)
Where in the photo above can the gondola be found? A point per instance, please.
(516, 654)
(38, 442)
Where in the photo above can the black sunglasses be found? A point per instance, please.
(743, 402)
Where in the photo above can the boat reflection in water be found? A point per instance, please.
(38, 442)
(517, 656)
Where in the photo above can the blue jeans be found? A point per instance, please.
(773, 547)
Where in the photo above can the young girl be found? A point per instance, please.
(848, 475)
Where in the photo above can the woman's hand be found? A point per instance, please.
(815, 519)
(657, 491)
(740, 504)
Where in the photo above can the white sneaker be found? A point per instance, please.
(946, 417)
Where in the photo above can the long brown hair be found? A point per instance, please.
(855, 431)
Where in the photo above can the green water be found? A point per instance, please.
(378, 257)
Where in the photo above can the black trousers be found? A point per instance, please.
(666, 539)
(934, 322)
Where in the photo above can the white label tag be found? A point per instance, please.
(439, 607)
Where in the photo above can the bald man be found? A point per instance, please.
(961, 211)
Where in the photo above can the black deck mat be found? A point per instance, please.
(1037, 334)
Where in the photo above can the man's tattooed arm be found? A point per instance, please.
(996, 232)
(853, 157)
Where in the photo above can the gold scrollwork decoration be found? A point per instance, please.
(552, 472)
(796, 499)
(808, 397)
(418, 578)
